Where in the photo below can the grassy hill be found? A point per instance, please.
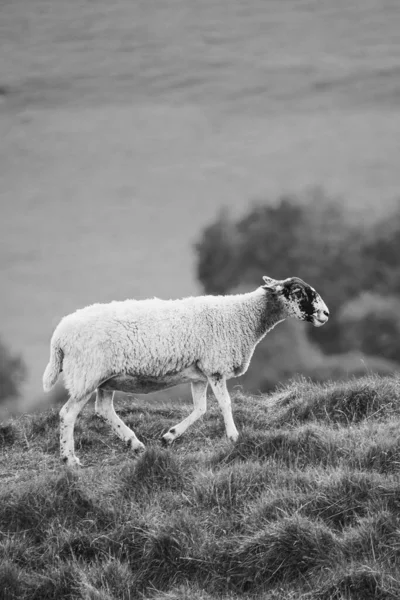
(125, 126)
(305, 506)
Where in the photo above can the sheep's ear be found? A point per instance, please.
(269, 281)
(272, 284)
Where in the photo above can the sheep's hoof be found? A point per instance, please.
(136, 447)
(168, 438)
(72, 462)
(233, 437)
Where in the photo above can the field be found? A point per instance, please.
(125, 126)
(305, 506)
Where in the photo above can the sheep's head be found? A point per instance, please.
(300, 300)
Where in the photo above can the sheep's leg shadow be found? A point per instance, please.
(68, 415)
(104, 408)
(199, 393)
(218, 385)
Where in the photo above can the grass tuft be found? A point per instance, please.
(342, 402)
(342, 500)
(12, 580)
(230, 488)
(43, 423)
(303, 446)
(156, 469)
(61, 582)
(284, 551)
(360, 583)
(111, 578)
(383, 455)
(374, 535)
(33, 506)
(8, 435)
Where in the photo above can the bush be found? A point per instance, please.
(370, 323)
(313, 238)
(12, 374)
(289, 237)
(380, 252)
(316, 239)
(287, 352)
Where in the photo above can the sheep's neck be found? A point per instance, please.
(267, 313)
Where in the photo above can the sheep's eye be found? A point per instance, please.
(297, 293)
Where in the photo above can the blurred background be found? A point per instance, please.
(174, 147)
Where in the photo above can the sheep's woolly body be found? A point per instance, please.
(156, 338)
(146, 345)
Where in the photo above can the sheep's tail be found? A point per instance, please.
(54, 367)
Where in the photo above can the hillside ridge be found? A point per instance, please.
(305, 505)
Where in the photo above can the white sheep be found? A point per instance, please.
(147, 345)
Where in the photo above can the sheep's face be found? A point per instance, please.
(300, 300)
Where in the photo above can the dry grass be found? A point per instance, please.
(305, 505)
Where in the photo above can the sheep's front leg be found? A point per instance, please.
(199, 393)
(218, 385)
(104, 408)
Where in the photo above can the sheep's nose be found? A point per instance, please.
(326, 313)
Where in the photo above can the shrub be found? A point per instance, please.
(315, 238)
(380, 252)
(371, 324)
(311, 237)
(12, 374)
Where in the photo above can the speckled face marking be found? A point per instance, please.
(301, 300)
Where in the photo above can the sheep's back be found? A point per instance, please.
(155, 337)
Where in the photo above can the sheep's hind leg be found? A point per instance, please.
(218, 384)
(68, 415)
(104, 408)
(199, 393)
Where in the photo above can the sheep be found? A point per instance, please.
(143, 346)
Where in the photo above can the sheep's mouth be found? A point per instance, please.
(319, 322)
